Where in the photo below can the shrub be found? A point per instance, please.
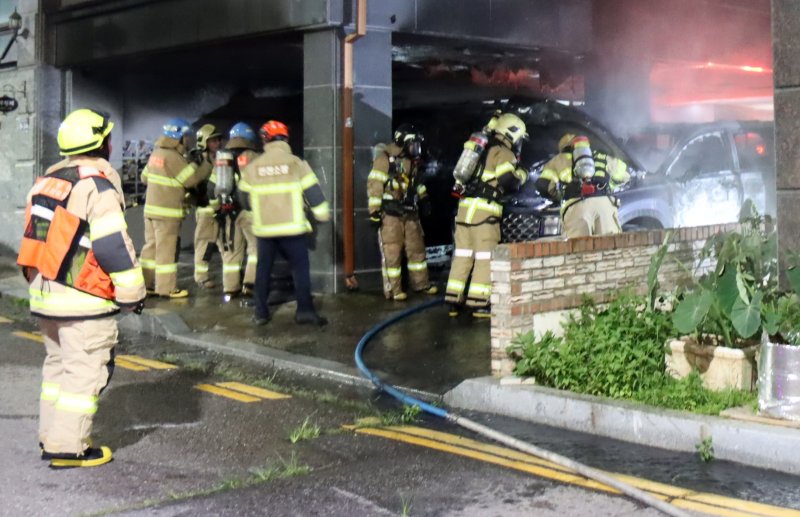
(613, 352)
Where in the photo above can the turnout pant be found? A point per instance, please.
(398, 233)
(295, 250)
(205, 233)
(243, 244)
(159, 256)
(471, 264)
(591, 216)
(77, 367)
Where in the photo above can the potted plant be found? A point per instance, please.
(727, 308)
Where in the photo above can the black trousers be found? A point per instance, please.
(295, 250)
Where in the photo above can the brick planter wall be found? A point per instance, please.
(534, 278)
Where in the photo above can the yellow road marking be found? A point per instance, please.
(151, 363)
(684, 498)
(253, 390)
(224, 392)
(5, 320)
(29, 335)
(122, 363)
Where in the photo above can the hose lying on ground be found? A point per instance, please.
(580, 468)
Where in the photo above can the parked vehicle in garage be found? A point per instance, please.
(704, 171)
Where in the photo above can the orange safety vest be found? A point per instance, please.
(56, 241)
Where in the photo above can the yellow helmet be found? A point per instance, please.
(82, 131)
(206, 133)
(565, 141)
(510, 126)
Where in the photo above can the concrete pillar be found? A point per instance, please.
(322, 142)
(786, 44)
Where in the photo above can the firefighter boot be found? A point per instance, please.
(177, 294)
(400, 297)
(482, 312)
(431, 290)
(310, 318)
(453, 310)
(91, 457)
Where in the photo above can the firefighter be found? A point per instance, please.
(478, 218)
(167, 175)
(80, 264)
(207, 229)
(583, 180)
(278, 185)
(236, 238)
(396, 196)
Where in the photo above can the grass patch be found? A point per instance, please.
(282, 470)
(408, 415)
(305, 431)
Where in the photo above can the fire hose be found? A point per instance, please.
(580, 468)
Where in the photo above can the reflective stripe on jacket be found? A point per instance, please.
(167, 176)
(102, 260)
(391, 177)
(279, 185)
(501, 173)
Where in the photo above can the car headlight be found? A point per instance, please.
(551, 225)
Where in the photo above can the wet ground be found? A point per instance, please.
(430, 351)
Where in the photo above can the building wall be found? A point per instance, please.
(534, 282)
(20, 138)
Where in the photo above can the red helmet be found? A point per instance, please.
(273, 129)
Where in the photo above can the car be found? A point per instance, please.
(682, 174)
(705, 177)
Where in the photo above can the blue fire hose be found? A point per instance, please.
(580, 468)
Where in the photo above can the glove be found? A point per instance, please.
(196, 156)
(375, 220)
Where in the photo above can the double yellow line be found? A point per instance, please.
(141, 364)
(681, 497)
(241, 392)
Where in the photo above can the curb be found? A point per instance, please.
(757, 445)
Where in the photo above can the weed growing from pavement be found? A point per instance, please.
(408, 415)
(406, 505)
(617, 352)
(705, 449)
(306, 431)
(258, 475)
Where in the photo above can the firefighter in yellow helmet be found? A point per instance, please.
(207, 229)
(279, 186)
(582, 180)
(168, 176)
(396, 196)
(81, 267)
(478, 217)
(236, 240)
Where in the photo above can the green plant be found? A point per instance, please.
(617, 352)
(705, 449)
(613, 352)
(409, 415)
(740, 298)
(306, 431)
(406, 505)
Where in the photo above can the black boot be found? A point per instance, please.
(91, 457)
(310, 318)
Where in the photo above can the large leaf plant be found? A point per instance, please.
(740, 298)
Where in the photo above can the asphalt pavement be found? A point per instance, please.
(195, 433)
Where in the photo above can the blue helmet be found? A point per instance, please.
(176, 128)
(242, 130)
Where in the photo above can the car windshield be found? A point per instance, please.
(704, 154)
